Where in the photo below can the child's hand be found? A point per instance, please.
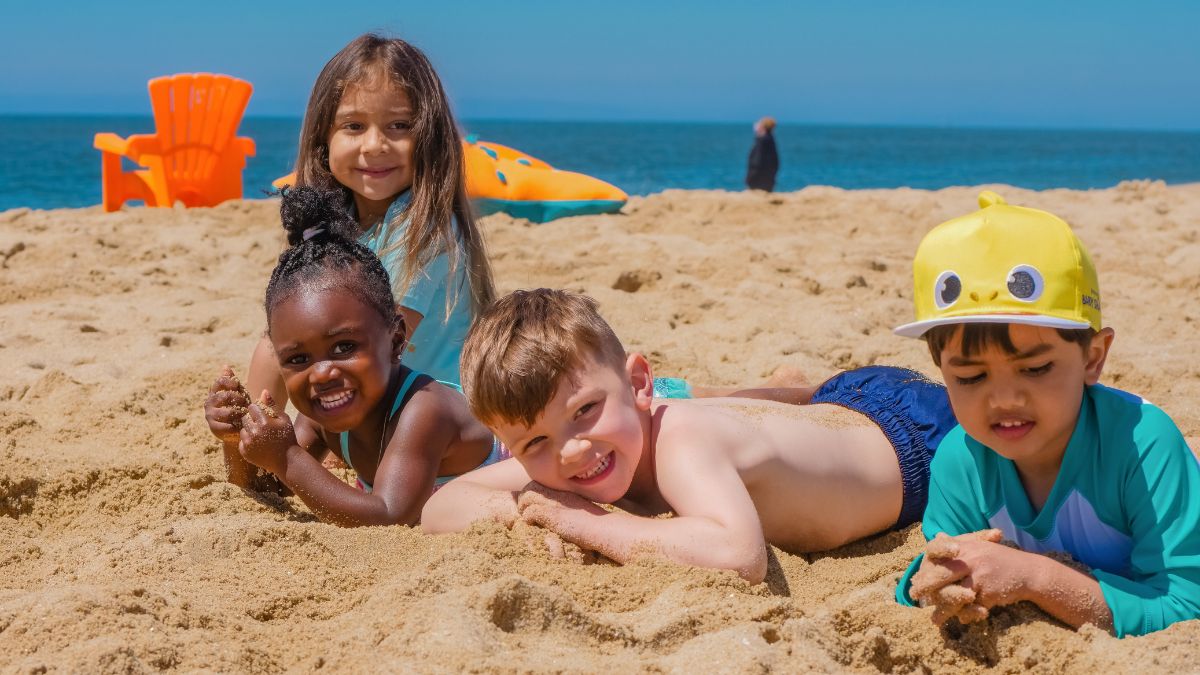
(562, 549)
(266, 435)
(933, 585)
(967, 575)
(540, 505)
(226, 404)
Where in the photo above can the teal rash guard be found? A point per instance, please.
(441, 298)
(1126, 503)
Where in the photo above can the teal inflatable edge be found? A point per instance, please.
(545, 211)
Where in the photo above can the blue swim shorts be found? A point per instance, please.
(914, 414)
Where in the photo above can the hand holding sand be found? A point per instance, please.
(947, 581)
(541, 506)
(266, 436)
(225, 406)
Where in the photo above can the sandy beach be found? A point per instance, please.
(122, 549)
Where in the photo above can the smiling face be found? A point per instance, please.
(1023, 405)
(590, 437)
(371, 145)
(336, 353)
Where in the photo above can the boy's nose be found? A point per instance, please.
(575, 449)
(1006, 396)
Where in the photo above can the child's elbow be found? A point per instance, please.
(756, 571)
(405, 513)
(750, 565)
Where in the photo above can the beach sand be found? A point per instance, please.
(123, 549)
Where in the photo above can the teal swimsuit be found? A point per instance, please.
(498, 453)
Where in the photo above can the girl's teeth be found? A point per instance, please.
(328, 402)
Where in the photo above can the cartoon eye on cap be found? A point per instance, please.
(946, 289)
(1025, 283)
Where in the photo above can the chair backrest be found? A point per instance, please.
(196, 116)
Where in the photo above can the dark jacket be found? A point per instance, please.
(764, 163)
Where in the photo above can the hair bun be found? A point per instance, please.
(307, 208)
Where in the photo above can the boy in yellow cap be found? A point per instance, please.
(1008, 301)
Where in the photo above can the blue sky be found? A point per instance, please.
(1071, 63)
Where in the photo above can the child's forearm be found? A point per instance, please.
(333, 501)
(686, 540)
(460, 503)
(1067, 594)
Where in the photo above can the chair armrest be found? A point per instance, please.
(143, 144)
(109, 142)
(133, 147)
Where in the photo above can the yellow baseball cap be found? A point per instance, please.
(1003, 264)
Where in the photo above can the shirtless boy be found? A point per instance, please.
(545, 372)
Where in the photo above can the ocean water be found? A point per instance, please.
(48, 161)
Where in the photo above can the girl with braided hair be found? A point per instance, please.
(337, 338)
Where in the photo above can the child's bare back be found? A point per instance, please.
(819, 475)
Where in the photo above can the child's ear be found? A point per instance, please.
(1097, 354)
(399, 341)
(642, 380)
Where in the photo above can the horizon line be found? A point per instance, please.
(661, 121)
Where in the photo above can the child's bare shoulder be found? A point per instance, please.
(678, 416)
(433, 392)
(691, 426)
(436, 402)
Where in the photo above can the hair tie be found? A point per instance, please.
(311, 232)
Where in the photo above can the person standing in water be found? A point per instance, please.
(764, 158)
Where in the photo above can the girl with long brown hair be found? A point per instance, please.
(379, 130)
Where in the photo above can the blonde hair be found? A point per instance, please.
(519, 349)
(767, 123)
(439, 193)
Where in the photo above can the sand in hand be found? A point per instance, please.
(122, 548)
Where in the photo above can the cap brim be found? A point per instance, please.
(918, 328)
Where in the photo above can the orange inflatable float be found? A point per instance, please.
(502, 179)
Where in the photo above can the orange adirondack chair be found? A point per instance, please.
(193, 156)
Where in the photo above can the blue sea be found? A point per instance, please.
(49, 162)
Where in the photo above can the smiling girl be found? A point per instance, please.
(334, 331)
